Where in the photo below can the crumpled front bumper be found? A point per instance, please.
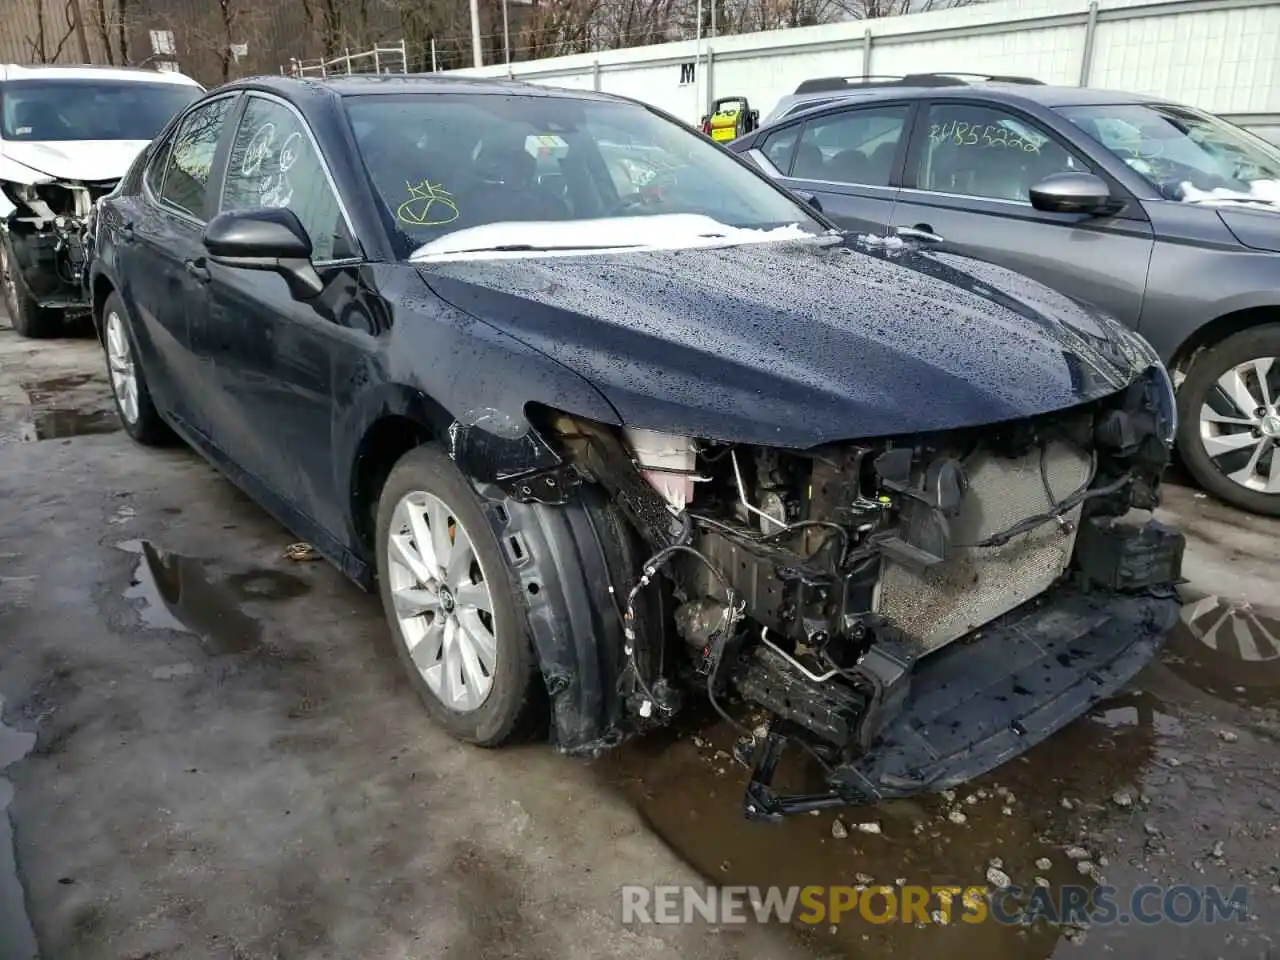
(980, 702)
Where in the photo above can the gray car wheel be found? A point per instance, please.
(1229, 413)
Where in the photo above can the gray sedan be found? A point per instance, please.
(1166, 217)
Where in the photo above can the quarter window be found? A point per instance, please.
(273, 163)
(853, 146)
(190, 160)
(978, 151)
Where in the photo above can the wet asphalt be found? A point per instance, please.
(207, 751)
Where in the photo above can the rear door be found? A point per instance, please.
(160, 247)
(278, 359)
(967, 183)
(847, 159)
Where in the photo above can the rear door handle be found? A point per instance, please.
(921, 231)
(126, 231)
(197, 269)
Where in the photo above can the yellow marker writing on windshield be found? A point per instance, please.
(429, 205)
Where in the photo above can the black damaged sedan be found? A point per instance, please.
(614, 424)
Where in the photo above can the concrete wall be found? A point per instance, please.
(1221, 55)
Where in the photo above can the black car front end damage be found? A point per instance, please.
(913, 611)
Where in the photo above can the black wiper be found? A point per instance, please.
(529, 247)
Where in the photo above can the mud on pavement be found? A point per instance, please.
(227, 764)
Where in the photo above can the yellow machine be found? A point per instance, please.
(730, 118)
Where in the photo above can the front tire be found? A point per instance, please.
(1229, 420)
(456, 618)
(134, 406)
(29, 319)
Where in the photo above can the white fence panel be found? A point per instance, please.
(1222, 55)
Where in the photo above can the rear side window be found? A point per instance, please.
(779, 146)
(190, 160)
(853, 146)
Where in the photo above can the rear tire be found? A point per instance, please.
(134, 406)
(1229, 446)
(426, 498)
(29, 319)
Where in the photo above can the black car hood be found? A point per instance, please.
(800, 342)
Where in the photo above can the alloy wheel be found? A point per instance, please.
(442, 599)
(124, 379)
(1240, 424)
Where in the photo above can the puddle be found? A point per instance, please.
(16, 935)
(185, 594)
(61, 407)
(1227, 648)
(689, 790)
(58, 424)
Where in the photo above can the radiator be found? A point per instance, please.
(976, 585)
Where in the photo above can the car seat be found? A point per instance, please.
(808, 163)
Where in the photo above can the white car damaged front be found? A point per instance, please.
(67, 136)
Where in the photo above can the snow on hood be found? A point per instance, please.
(561, 238)
(1263, 194)
(89, 160)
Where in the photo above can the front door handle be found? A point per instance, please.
(197, 269)
(921, 231)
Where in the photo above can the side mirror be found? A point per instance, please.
(1073, 193)
(268, 239)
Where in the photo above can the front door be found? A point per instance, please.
(967, 182)
(279, 358)
(847, 160)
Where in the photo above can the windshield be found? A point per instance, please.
(445, 163)
(90, 109)
(1185, 154)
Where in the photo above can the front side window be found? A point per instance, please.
(190, 159)
(1185, 154)
(443, 163)
(88, 109)
(855, 146)
(273, 163)
(978, 151)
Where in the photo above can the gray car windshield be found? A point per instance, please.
(1185, 154)
(444, 163)
(75, 109)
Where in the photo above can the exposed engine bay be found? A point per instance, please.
(48, 231)
(912, 611)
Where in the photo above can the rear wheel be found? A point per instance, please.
(137, 412)
(1229, 420)
(29, 319)
(456, 620)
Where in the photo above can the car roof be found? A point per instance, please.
(358, 84)
(997, 92)
(13, 71)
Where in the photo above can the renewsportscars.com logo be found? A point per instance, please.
(913, 903)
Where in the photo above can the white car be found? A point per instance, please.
(67, 136)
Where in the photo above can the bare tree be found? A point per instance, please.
(208, 38)
(110, 21)
(39, 44)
